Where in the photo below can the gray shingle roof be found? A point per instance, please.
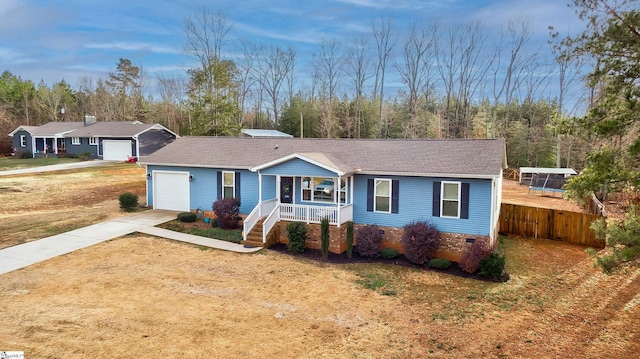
(56, 128)
(111, 129)
(447, 158)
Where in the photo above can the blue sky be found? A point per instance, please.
(56, 39)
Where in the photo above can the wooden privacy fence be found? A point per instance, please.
(571, 227)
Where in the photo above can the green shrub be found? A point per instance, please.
(297, 237)
(25, 154)
(324, 237)
(84, 156)
(439, 263)
(227, 212)
(389, 253)
(214, 222)
(493, 265)
(349, 239)
(479, 250)
(420, 240)
(187, 217)
(369, 238)
(128, 201)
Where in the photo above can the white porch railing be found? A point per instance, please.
(294, 212)
(315, 214)
(270, 222)
(262, 209)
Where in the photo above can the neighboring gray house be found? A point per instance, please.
(454, 184)
(103, 140)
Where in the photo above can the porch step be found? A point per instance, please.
(254, 238)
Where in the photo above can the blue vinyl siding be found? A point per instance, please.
(268, 187)
(84, 146)
(415, 204)
(203, 188)
(17, 144)
(298, 167)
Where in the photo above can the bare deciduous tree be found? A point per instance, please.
(274, 65)
(382, 32)
(328, 63)
(359, 65)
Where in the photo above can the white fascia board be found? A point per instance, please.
(418, 174)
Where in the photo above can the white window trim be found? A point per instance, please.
(233, 183)
(442, 199)
(375, 194)
(23, 141)
(93, 141)
(75, 140)
(312, 190)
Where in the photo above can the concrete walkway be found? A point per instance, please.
(26, 254)
(59, 167)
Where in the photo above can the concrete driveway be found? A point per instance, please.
(60, 167)
(26, 254)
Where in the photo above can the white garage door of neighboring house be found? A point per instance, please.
(114, 150)
(171, 191)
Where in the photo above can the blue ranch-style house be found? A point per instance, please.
(454, 184)
(116, 141)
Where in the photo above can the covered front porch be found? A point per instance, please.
(299, 188)
(48, 146)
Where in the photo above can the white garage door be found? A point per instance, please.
(171, 190)
(113, 150)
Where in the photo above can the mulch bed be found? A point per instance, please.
(316, 255)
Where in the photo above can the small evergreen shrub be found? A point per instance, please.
(84, 156)
(389, 253)
(470, 260)
(25, 154)
(324, 237)
(227, 211)
(439, 263)
(297, 237)
(214, 222)
(493, 265)
(369, 238)
(128, 201)
(420, 241)
(187, 217)
(349, 239)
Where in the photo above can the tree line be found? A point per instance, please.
(455, 82)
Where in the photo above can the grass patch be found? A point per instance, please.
(381, 282)
(229, 235)
(13, 163)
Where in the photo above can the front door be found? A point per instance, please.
(286, 190)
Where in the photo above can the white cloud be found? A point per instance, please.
(9, 56)
(308, 37)
(134, 46)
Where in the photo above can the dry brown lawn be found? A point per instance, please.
(40, 205)
(145, 297)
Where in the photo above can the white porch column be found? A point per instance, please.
(351, 189)
(278, 188)
(259, 187)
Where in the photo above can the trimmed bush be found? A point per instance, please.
(389, 253)
(420, 241)
(128, 201)
(324, 237)
(349, 239)
(84, 156)
(214, 222)
(470, 260)
(439, 263)
(227, 211)
(25, 154)
(369, 238)
(493, 265)
(297, 236)
(187, 217)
